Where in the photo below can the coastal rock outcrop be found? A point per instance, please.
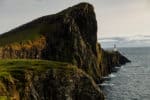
(45, 80)
(110, 60)
(68, 36)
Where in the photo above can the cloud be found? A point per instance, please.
(115, 17)
(129, 41)
(2, 2)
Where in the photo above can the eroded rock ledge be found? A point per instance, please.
(68, 36)
(45, 80)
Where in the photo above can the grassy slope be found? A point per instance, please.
(20, 35)
(10, 65)
(34, 29)
(31, 30)
(11, 69)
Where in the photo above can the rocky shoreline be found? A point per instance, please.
(68, 37)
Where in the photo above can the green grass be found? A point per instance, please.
(3, 98)
(14, 71)
(30, 31)
(17, 67)
(35, 28)
(20, 35)
(31, 64)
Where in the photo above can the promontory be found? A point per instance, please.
(55, 57)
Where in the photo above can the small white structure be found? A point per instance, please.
(115, 48)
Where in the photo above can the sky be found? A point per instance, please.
(116, 18)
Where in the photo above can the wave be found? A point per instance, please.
(112, 75)
(106, 84)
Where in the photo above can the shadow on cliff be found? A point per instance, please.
(68, 36)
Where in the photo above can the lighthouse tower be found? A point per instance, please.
(115, 48)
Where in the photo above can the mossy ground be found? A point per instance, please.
(3, 98)
(19, 65)
(9, 65)
(19, 36)
(15, 69)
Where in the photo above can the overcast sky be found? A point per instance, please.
(115, 17)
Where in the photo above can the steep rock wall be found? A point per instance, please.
(111, 59)
(68, 36)
(29, 49)
(51, 81)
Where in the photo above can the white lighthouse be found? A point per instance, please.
(115, 48)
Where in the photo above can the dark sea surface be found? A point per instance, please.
(131, 81)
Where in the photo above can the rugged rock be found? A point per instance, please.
(111, 59)
(44, 80)
(29, 49)
(68, 36)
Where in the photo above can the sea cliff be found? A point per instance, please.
(69, 36)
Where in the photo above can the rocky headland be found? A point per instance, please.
(55, 57)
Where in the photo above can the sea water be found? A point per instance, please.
(131, 81)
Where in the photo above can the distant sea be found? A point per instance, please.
(131, 81)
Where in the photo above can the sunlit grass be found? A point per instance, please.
(9, 64)
(3, 98)
(17, 67)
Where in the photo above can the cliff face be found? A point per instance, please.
(69, 36)
(111, 59)
(29, 49)
(45, 80)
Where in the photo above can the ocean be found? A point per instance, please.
(131, 81)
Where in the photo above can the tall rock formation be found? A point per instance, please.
(68, 36)
(45, 80)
